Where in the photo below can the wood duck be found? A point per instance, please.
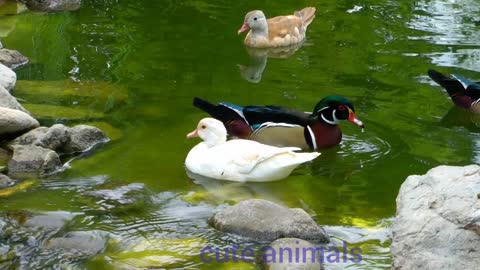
(278, 31)
(463, 92)
(280, 126)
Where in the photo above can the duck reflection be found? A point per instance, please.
(258, 60)
(459, 117)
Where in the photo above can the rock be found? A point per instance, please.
(265, 220)
(83, 138)
(121, 199)
(52, 138)
(281, 255)
(5, 181)
(12, 58)
(53, 5)
(9, 101)
(1, 45)
(50, 220)
(438, 220)
(31, 160)
(80, 244)
(15, 122)
(8, 77)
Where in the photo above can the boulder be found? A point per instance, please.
(52, 138)
(8, 77)
(15, 122)
(437, 225)
(83, 138)
(265, 220)
(12, 58)
(281, 255)
(32, 160)
(9, 101)
(5, 181)
(53, 5)
(80, 244)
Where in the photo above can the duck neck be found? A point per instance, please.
(328, 116)
(261, 31)
(214, 141)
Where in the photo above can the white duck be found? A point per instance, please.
(239, 160)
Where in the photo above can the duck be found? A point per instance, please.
(285, 127)
(463, 92)
(239, 160)
(278, 31)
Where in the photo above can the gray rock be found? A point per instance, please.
(83, 138)
(5, 181)
(281, 255)
(1, 45)
(8, 77)
(80, 244)
(9, 101)
(438, 220)
(31, 160)
(50, 220)
(53, 5)
(265, 220)
(15, 122)
(52, 138)
(12, 58)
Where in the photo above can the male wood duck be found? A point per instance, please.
(280, 126)
(463, 92)
(278, 31)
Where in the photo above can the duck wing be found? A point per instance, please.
(258, 115)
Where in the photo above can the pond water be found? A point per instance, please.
(132, 68)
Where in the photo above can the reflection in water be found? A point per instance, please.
(451, 23)
(258, 60)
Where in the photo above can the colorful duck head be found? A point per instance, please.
(332, 109)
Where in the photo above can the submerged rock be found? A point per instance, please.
(8, 77)
(52, 5)
(50, 220)
(5, 181)
(9, 101)
(265, 220)
(281, 255)
(15, 122)
(12, 58)
(80, 244)
(124, 198)
(438, 220)
(33, 161)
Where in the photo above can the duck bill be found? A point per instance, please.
(244, 28)
(352, 118)
(193, 134)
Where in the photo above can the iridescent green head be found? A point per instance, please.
(331, 109)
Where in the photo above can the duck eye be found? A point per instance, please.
(341, 108)
(255, 18)
(204, 127)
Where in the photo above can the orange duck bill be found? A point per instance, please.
(245, 27)
(352, 118)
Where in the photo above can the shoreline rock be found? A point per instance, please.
(33, 161)
(13, 59)
(15, 122)
(281, 255)
(52, 5)
(267, 221)
(438, 220)
(8, 77)
(9, 101)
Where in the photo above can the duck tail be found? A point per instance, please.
(453, 86)
(456, 89)
(307, 15)
(231, 116)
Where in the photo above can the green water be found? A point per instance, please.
(132, 68)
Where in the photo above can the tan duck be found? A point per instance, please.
(278, 31)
